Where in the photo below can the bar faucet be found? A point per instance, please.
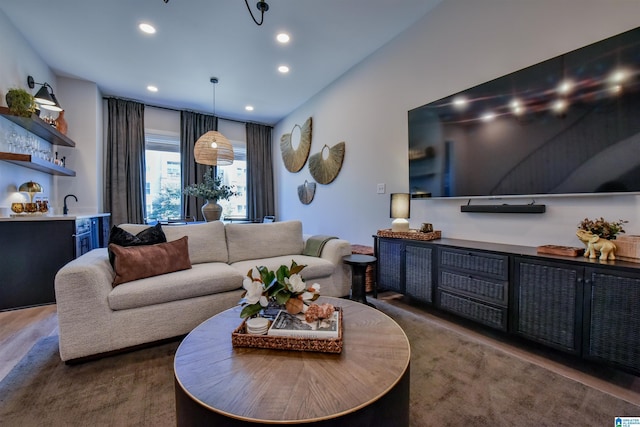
(65, 209)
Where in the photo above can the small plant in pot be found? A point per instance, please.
(598, 235)
(604, 229)
(20, 102)
(212, 190)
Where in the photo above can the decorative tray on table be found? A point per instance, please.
(240, 338)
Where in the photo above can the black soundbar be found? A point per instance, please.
(504, 208)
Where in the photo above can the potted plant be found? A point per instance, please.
(20, 102)
(212, 190)
(598, 235)
(600, 227)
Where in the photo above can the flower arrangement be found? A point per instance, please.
(284, 286)
(211, 188)
(600, 227)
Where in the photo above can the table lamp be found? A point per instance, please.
(400, 210)
(31, 188)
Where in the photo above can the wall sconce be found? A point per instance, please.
(400, 211)
(45, 96)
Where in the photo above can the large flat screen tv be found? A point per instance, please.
(569, 125)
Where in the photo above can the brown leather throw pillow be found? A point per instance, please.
(138, 262)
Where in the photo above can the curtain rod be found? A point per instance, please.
(175, 109)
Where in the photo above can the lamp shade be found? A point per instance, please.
(43, 97)
(56, 105)
(213, 149)
(400, 205)
(400, 210)
(31, 188)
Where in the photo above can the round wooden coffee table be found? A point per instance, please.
(367, 384)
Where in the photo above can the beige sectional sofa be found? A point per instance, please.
(95, 317)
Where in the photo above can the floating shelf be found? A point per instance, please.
(36, 163)
(37, 126)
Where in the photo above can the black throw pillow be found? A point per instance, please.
(148, 236)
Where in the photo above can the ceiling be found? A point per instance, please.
(99, 41)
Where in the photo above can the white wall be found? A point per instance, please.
(81, 100)
(17, 61)
(458, 45)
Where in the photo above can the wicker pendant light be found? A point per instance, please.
(213, 148)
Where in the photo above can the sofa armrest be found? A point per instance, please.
(82, 287)
(335, 249)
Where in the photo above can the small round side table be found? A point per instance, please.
(359, 264)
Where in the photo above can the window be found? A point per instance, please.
(164, 195)
(235, 175)
(163, 171)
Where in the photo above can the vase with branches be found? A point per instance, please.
(212, 190)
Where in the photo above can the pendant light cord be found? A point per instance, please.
(262, 7)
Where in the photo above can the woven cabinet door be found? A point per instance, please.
(612, 318)
(418, 272)
(390, 265)
(549, 303)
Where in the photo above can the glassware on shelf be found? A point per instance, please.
(17, 207)
(31, 207)
(43, 205)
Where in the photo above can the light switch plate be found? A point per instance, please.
(381, 188)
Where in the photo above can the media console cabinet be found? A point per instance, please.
(589, 308)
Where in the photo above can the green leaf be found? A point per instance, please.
(275, 288)
(295, 269)
(282, 272)
(266, 275)
(283, 297)
(250, 310)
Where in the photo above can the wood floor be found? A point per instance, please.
(21, 329)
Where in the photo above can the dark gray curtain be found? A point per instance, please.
(192, 126)
(260, 192)
(125, 167)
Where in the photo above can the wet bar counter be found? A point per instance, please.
(34, 248)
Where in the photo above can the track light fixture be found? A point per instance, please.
(262, 6)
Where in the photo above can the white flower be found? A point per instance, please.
(307, 296)
(254, 292)
(295, 283)
(312, 292)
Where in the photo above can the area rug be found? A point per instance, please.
(455, 380)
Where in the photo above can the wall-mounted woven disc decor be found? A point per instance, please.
(295, 158)
(306, 192)
(326, 170)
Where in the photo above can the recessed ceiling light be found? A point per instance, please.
(283, 69)
(283, 38)
(249, 108)
(152, 88)
(147, 28)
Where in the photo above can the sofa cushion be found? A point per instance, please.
(256, 241)
(138, 262)
(315, 267)
(207, 241)
(148, 236)
(200, 280)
